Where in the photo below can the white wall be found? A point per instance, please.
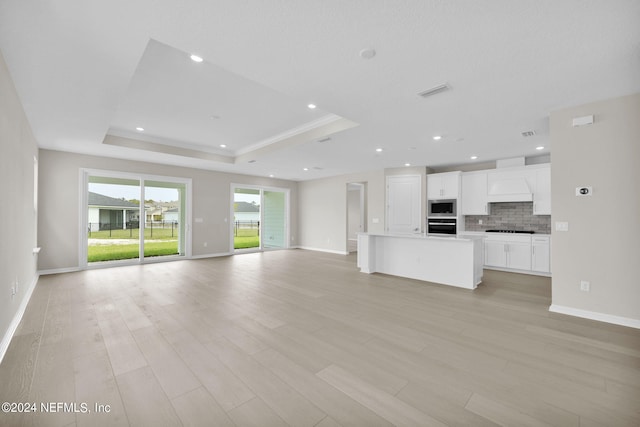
(322, 209)
(59, 203)
(17, 217)
(602, 245)
(354, 214)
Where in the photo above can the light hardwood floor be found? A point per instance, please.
(302, 338)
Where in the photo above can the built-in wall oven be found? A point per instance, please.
(444, 226)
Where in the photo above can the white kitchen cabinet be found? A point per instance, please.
(494, 254)
(443, 185)
(508, 251)
(541, 254)
(542, 191)
(519, 255)
(474, 198)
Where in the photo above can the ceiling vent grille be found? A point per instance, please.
(528, 133)
(434, 90)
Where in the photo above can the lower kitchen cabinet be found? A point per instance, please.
(541, 254)
(521, 252)
(508, 251)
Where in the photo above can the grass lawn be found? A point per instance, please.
(118, 252)
(246, 238)
(158, 234)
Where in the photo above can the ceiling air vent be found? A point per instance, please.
(434, 90)
(528, 133)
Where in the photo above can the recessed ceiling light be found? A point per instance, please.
(139, 129)
(223, 145)
(437, 138)
(271, 175)
(311, 106)
(305, 169)
(379, 150)
(196, 58)
(407, 164)
(474, 157)
(540, 148)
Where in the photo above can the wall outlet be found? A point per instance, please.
(480, 221)
(205, 244)
(562, 226)
(375, 220)
(585, 286)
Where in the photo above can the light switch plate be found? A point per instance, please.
(562, 226)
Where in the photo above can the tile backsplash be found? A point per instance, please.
(511, 216)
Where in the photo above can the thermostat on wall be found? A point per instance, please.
(584, 191)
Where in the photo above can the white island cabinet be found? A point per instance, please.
(446, 260)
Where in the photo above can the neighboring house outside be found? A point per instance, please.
(245, 212)
(109, 213)
(161, 212)
(172, 215)
(153, 213)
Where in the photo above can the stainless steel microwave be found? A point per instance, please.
(442, 207)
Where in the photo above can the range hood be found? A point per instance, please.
(510, 190)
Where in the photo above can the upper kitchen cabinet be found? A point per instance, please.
(443, 185)
(542, 193)
(474, 198)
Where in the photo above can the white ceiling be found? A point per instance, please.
(89, 73)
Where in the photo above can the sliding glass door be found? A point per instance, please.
(260, 218)
(113, 214)
(129, 218)
(274, 218)
(164, 223)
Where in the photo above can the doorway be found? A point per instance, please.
(356, 213)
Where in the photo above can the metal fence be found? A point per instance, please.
(130, 229)
(246, 225)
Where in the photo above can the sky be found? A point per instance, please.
(133, 192)
(157, 194)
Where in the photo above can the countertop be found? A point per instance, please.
(425, 236)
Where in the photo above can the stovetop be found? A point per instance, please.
(511, 231)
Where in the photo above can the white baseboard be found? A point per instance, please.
(513, 270)
(58, 271)
(594, 315)
(211, 255)
(8, 336)
(307, 248)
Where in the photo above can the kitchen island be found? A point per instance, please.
(446, 260)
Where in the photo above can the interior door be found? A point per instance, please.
(404, 201)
